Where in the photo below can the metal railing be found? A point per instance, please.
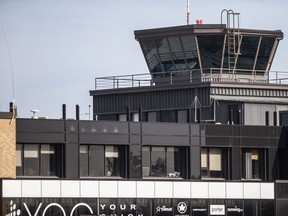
(190, 76)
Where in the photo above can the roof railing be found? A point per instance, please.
(189, 76)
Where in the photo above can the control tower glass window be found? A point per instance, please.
(190, 50)
(171, 54)
(264, 53)
(249, 47)
(211, 48)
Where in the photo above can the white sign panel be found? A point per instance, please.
(217, 209)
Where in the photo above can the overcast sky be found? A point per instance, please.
(58, 47)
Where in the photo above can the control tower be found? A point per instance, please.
(202, 52)
(218, 73)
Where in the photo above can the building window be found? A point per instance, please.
(99, 160)
(283, 118)
(253, 163)
(36, 160)
(212, 163)
(48, 160)
(135, 117)
(122, 117)
(162, 162)
(152, 117)
(182, 116)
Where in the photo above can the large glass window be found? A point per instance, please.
(158, 161)
(190, 50)
(253, 163)
(212, 163)
(162, 162)
(152, 116)
(170, 54)
(264, 53)
(36, 159)
(48, 160)
(211, 48)
(31, 160)
(283, 116)
(247, 58)
(99, 160)
(182, 116)
(178, 54)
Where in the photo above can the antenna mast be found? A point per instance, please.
(188, 12)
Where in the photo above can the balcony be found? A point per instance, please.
(191, 77)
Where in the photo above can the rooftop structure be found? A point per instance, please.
(209, 67)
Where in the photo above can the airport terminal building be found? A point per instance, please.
(203, 133)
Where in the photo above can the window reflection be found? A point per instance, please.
(48, 160)
(190, 50)
(161, 162)
(31, 160)
(252, 160)
(249, 46)
(158, 162)
(37, 160)
(264, 53)
(99, 160)
(111, 161)
(211, 48)
(171, 54)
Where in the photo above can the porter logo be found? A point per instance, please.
(182, 207)
(217, 209)
(12, 210)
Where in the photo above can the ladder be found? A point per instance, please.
(233, 40)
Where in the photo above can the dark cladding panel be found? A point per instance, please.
(255, 131)
(35, 137)
(104, 139)
(165, 140)
(72, 161)
(40, 125)
(96, 127)
(71, 126)
(255, 142)
(195, 165)
(272, 164)
(235, 163)
(218, 130)
(135, 128)
(218, 141)
(165, 129)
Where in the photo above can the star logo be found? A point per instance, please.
(182, 207)
(158, 209)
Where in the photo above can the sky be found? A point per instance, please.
(51, 51)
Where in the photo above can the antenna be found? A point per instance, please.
(10, 60)
(188, 12)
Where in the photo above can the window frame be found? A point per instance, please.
(211, 173)
(20, 170)
(262, 163)
(148, 171)
(106, 172)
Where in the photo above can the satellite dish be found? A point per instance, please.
(34, 111)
